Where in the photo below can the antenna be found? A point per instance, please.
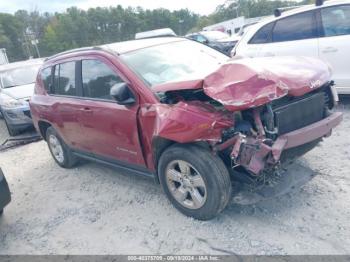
(319, 2)
(277, 12)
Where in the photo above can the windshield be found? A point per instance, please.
(173, 62)
(214, 35)
(19, 76)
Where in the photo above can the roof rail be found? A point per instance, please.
(278, 11)
(73, 51)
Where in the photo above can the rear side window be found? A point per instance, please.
(46, 77)
(336, 20)
(65, 79)
(263, 35)
(98, 79)
(296, 27)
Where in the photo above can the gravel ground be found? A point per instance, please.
(3, 131)
(93, 210)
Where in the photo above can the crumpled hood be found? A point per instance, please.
(246, 83)
(19, 92)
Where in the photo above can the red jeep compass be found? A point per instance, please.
(184, 113)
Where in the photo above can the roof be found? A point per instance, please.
(303, 8)
(128, 46)
(123, 47)
(14, 65)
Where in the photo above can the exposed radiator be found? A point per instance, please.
(300, 113)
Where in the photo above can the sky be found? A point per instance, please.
(203, 7)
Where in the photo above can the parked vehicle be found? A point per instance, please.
(162, 32)
(321, 31)
(193, 119)
(3, 56)
(16, 88)
(216, 39)
(5, 195)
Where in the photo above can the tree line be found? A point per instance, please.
(24, 33)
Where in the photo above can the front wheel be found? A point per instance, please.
(196, 182)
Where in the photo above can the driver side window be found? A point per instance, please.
(98, 79)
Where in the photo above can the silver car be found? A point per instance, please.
(16, 87)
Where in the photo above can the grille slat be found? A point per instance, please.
(299, 114)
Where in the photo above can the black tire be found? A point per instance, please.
(1, 212)
(213, 172)
(69, 159)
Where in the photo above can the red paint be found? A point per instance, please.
(309, 133)
(127, 133)
(247, 83)
(253, 153)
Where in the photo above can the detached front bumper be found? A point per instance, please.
(306, 134)
(5, 195)
(254, 154)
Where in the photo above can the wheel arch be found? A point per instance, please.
(160, 144)
(43, 126)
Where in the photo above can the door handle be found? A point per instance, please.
(86, 110)
(329, 50)
(269, 54)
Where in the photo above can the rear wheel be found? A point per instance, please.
(195, 181)
(59, 150)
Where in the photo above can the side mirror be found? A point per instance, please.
(122, 94)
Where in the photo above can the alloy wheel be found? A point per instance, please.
(56, 148)
(186, 184)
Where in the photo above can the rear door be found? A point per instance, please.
(65, 103)
(335, 43)
(108, 130)
(295, 35)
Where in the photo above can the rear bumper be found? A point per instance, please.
(5, 195)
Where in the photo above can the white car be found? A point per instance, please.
(321, 30)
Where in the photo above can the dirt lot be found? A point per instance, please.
(93, 210)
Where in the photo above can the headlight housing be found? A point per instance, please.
(9, 102)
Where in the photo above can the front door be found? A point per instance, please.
(107, 129)
(335, 44)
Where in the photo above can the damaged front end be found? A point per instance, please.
(274, 139)
(254, 114)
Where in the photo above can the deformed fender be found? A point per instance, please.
(184, 122)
